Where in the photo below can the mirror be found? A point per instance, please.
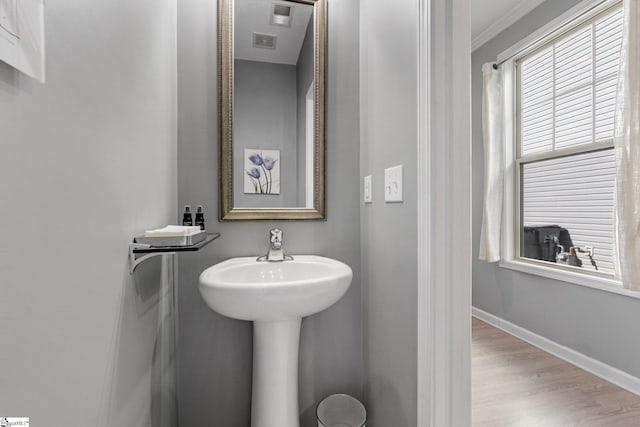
(271, 99)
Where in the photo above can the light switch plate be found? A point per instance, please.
(393, 184)
(368, 198)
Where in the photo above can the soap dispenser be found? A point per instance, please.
(187, 218)
(200, 217)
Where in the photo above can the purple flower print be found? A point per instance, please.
(254, 173)
(268, 163)
(256, 159)
(261, 175)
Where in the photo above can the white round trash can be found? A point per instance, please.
(341, 410)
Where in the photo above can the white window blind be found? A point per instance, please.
(567, 91)
(575, 192)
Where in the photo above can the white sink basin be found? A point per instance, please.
(246, 289)
(275, 296)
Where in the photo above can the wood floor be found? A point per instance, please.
(517, 384)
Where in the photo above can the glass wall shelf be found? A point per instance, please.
(140, 252)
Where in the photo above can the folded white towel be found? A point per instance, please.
(173, 231)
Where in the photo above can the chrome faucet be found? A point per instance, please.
(275, 247)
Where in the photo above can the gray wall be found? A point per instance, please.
(388, 123)
(87, 161)
(589, 321)
(264, 114)
(215, 352)
(304, 78)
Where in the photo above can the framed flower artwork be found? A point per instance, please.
(262, 171)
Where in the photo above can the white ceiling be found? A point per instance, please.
(254, 16)
(490, 17)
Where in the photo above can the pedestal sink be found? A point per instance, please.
(275, 296)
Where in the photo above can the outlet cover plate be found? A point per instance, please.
(368, 198)
(393, 184)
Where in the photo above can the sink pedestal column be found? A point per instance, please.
(275, 373)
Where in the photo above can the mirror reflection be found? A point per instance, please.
(273, 104)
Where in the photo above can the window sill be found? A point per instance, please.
(594, 282)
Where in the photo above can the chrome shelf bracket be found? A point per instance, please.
(134, 261)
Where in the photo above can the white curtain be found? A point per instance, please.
(627, 145)
(492, 132)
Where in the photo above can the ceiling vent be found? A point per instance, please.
(281, 15)
(264, 41)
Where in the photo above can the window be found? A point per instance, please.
(564, 170)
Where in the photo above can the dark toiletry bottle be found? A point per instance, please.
(187, 218)
(200, 217)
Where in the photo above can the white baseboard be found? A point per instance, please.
(597, 368)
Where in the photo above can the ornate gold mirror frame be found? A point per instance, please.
(225, 107)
